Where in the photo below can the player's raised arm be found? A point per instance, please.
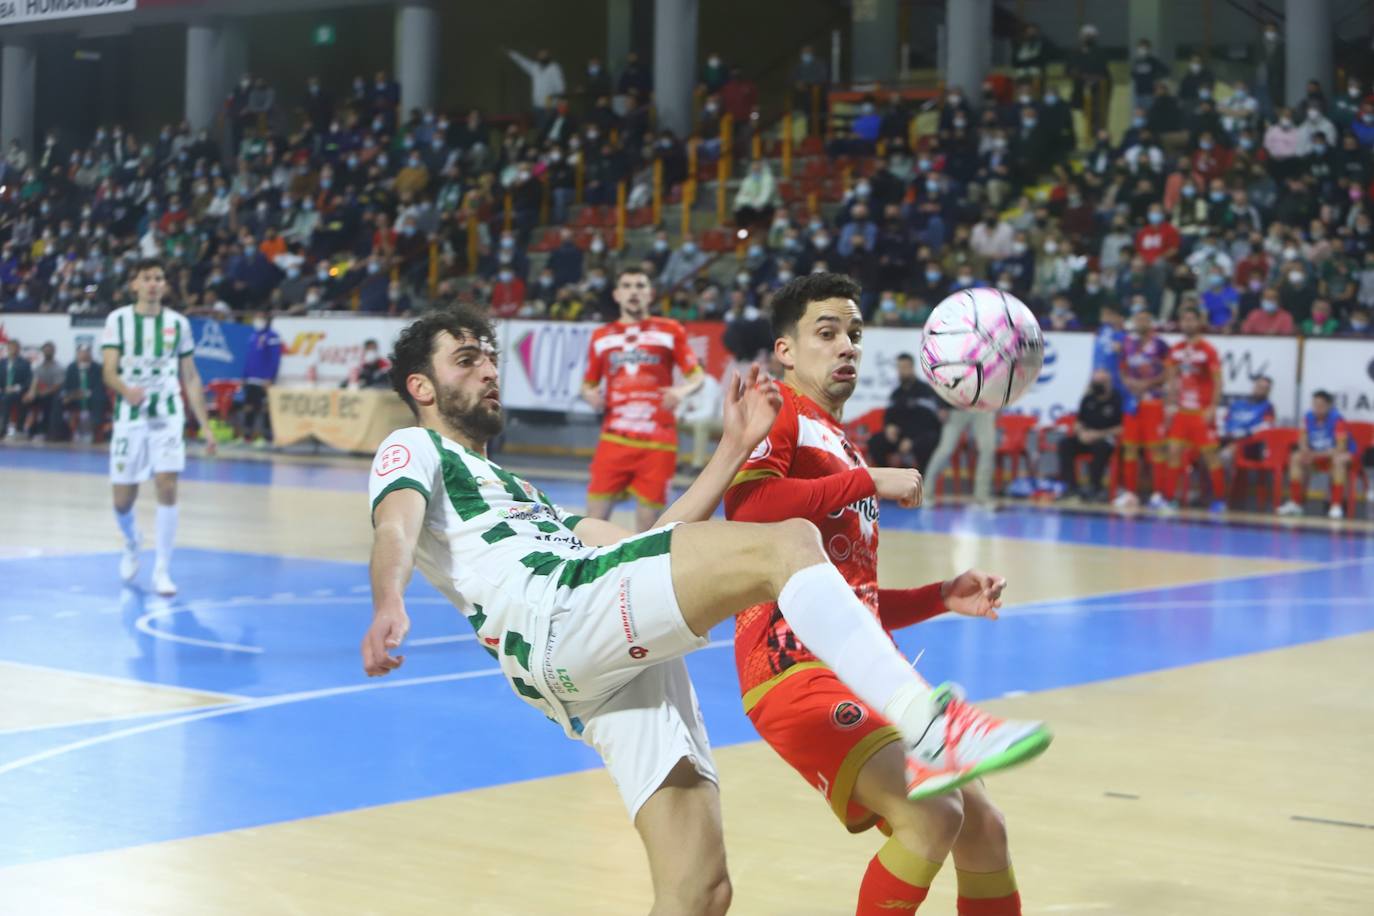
(396, 528)
(751, 406)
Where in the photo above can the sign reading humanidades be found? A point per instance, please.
(14, 12)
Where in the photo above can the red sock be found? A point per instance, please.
(896, 882)
(1295, 491)
(992, 894)
(1218, 484)
(1169, 481)
(1130, 471)
(1337, 494)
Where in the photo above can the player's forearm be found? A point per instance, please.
(692, 385)
(702, 497)
(393, 559)
(195, 398)
(902, 607)
(775, 499)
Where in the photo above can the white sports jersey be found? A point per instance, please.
(150, 351)
(496, 547)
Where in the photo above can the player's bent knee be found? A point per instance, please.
(930, 826)
(704, 893)
(987, 824)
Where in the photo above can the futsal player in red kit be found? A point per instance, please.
(1193, 370)
(847, 751)
(635, 357)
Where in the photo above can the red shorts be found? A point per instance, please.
(1145, 426)
(816, 724)
(1190, 427)
(644, 471)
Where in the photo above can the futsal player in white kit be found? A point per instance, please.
(148, 365)
(590, 622)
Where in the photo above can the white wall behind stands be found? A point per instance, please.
(542, 362)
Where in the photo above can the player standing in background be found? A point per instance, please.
(1194, 386)
(635, 356)
(1324, 444)
(846, 750)
(148, 365)
(1107, 344)
(1143, 357)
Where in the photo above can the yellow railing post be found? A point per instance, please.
(620, 194)
(508, 212)
(658, 191)
(787, 143)
(720, 191)
(727, 141)
(433, 268)
(472, 242)
(692, 159)
(813, 203)
(756, 146)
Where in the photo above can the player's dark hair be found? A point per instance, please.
(906, 356)
(790, 302)
(1324, 395)
(634, 269)
(1190, 308)
(414, 352)
(143, 264)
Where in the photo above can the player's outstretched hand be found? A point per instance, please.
(751, 405)
(387, 632)
(900, 485)
(974, 593)
(211, 445)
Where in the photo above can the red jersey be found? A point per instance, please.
(637, 360)
(1155, 242)
(1197, 364)
(807, 443)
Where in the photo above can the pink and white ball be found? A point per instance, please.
(983, 349)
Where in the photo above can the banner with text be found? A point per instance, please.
(16, 12)
(323, 350)
(1345, 368)
(221, 348)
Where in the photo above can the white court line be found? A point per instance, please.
(144, 625)
(249, 705)
(101, 720)
(123, 681)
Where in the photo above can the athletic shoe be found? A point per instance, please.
(128, 562)
(963, 743)
(162, 582)
(1165, 507)
(1157, 500)
(1218, 507)
(1337, 512)
(1126, 500)
(1290, 508)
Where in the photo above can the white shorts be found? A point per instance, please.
(140, 450)
(613, 657)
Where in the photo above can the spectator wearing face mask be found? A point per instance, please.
(1198, 84)
(1298, 290)
(1358, 324)
(1315, 128)
(546, 81)
(507, 294)
(756, 198)
(1270, 70)
(1269, 318)
(1096, 431)
(1158, 241)
(1284, 142)
(1220, 301)
(1322, 323)
(1146, 70)
(260, 369)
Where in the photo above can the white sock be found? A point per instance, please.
(166, 533)
(128, 527)
(834, 624)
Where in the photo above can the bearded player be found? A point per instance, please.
(847, 750)
(1194, 386)
(636, 356)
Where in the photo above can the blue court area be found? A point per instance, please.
(304, 733)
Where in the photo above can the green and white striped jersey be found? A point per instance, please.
(496, 547)
(150, 351)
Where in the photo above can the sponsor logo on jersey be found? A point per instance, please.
(393, 458)
(633, 359)
(565, 681)
(847, 715)
(761, 451)
(627, 621)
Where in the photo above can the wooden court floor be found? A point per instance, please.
(1210, 689)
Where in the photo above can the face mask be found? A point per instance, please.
(1270, 305)
(598, 246)
(1051, 247)
(1051, 98)
(1290, 253)
(1156, 218)
(1256, 285)
(383, 160)
(1188, 191)
(507, 242)
(1028, 123)
(1142, 52)
(293, 272)
(1357, 325)
(889, 305)
(596, 282)
(1271, 37)
(660, 244)
(369, 355)
(863, 190)
(1286, 123)
(1246, 143)
(821, 242)
(923, 165)
(784, 276)
(1018, 247)
(1204, 144)
(742, 278)
(1024, 99)
(961, 123)
(932, 276)
(1319, 149)
(259, 324)
(689, 248)
(808, 58)
(755, 251)
(965, 281)
(1296, 277)
(932, 187)
(506, 276)
(374, 268)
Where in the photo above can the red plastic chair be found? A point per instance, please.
(1014, 443)
(1066, 425)
(222, 393)
(1362, 434)
(1278, 444)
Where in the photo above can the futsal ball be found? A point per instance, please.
(982, 350)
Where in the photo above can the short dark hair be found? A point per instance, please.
(1190, 309)
(1324, 395)
(414, 352)
(906, 356)
(790, 302)
(143, 264)
(634, 269)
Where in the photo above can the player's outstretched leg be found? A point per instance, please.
(721, 568)
(680, 825)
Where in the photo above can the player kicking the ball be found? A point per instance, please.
(847, 748)
(590, 623)
(148, 365)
